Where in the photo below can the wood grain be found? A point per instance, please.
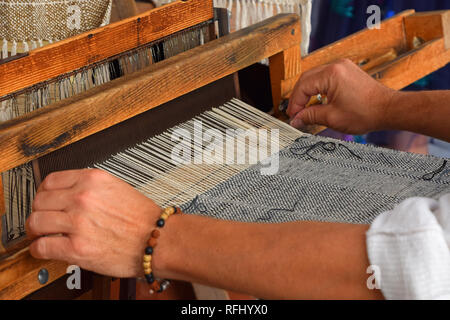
(88, 48)
(19, 274)
(428, 26)
(283, 66)
(357, 47)
(48, 129)
(388, 42)
(286, 86)
(413, 65)
(363, 44)
(2, 199)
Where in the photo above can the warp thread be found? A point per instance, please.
(248, 12)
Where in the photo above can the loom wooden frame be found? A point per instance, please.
(19, 270)
(396, 33)
(97, 45)
(43, 131)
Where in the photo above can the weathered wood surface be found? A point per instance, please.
(48, 129)
(413, 66)
(428, 26)
(392, 68)
(19, 274)
(91, 47)
(2, 198)
(363, 44)
(283, 66)
(356, 47)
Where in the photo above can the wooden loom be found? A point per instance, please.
(405, 49)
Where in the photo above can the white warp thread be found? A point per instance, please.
(248, 12)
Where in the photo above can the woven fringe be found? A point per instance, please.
(20, 46)
(248, 12)
(306, 12)
(26, 48)
(4, 49)
(14, 48)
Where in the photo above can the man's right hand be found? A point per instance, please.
(357, 103)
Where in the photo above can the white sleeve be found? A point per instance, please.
(410, 246)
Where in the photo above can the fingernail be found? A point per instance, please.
(297, 123)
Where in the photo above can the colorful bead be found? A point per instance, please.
(150, 278)
(160, 223)
(156, 286)
(156, 234)
(169, 211)
(152, 242)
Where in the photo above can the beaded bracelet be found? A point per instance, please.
(155, 285)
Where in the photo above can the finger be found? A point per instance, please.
(52, 248)
(312, 115)
(313, 85)
(299, 99)
(61, 180)
(41, 223)
(58, 200)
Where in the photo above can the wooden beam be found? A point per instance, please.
(372, 63)
(283, 66)
(428, 26)
(101, 287)
(2, 198)
(356, 47)
(363, 44)
(413, 66)
(51, 128)
(97, 45)
(20, 275)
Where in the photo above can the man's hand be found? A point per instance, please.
(91, 219)
(356, 102)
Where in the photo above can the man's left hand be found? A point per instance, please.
(91, 219)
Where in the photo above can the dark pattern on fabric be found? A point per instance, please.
(322, 179)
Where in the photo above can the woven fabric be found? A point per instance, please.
(50, 20)
(322, 179)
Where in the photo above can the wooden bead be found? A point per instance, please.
(146, 265)
(169, 211)
(164, 216)
(156, 234)
(152, 242)
(155, 286)
(147, 258)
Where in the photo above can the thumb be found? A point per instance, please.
(312, 115)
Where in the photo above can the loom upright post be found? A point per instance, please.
(284, 66)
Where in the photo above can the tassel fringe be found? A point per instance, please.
(248, 12)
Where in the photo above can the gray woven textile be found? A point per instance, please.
(322, 179)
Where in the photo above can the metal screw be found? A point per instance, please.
(43, 276)
(284, 105)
